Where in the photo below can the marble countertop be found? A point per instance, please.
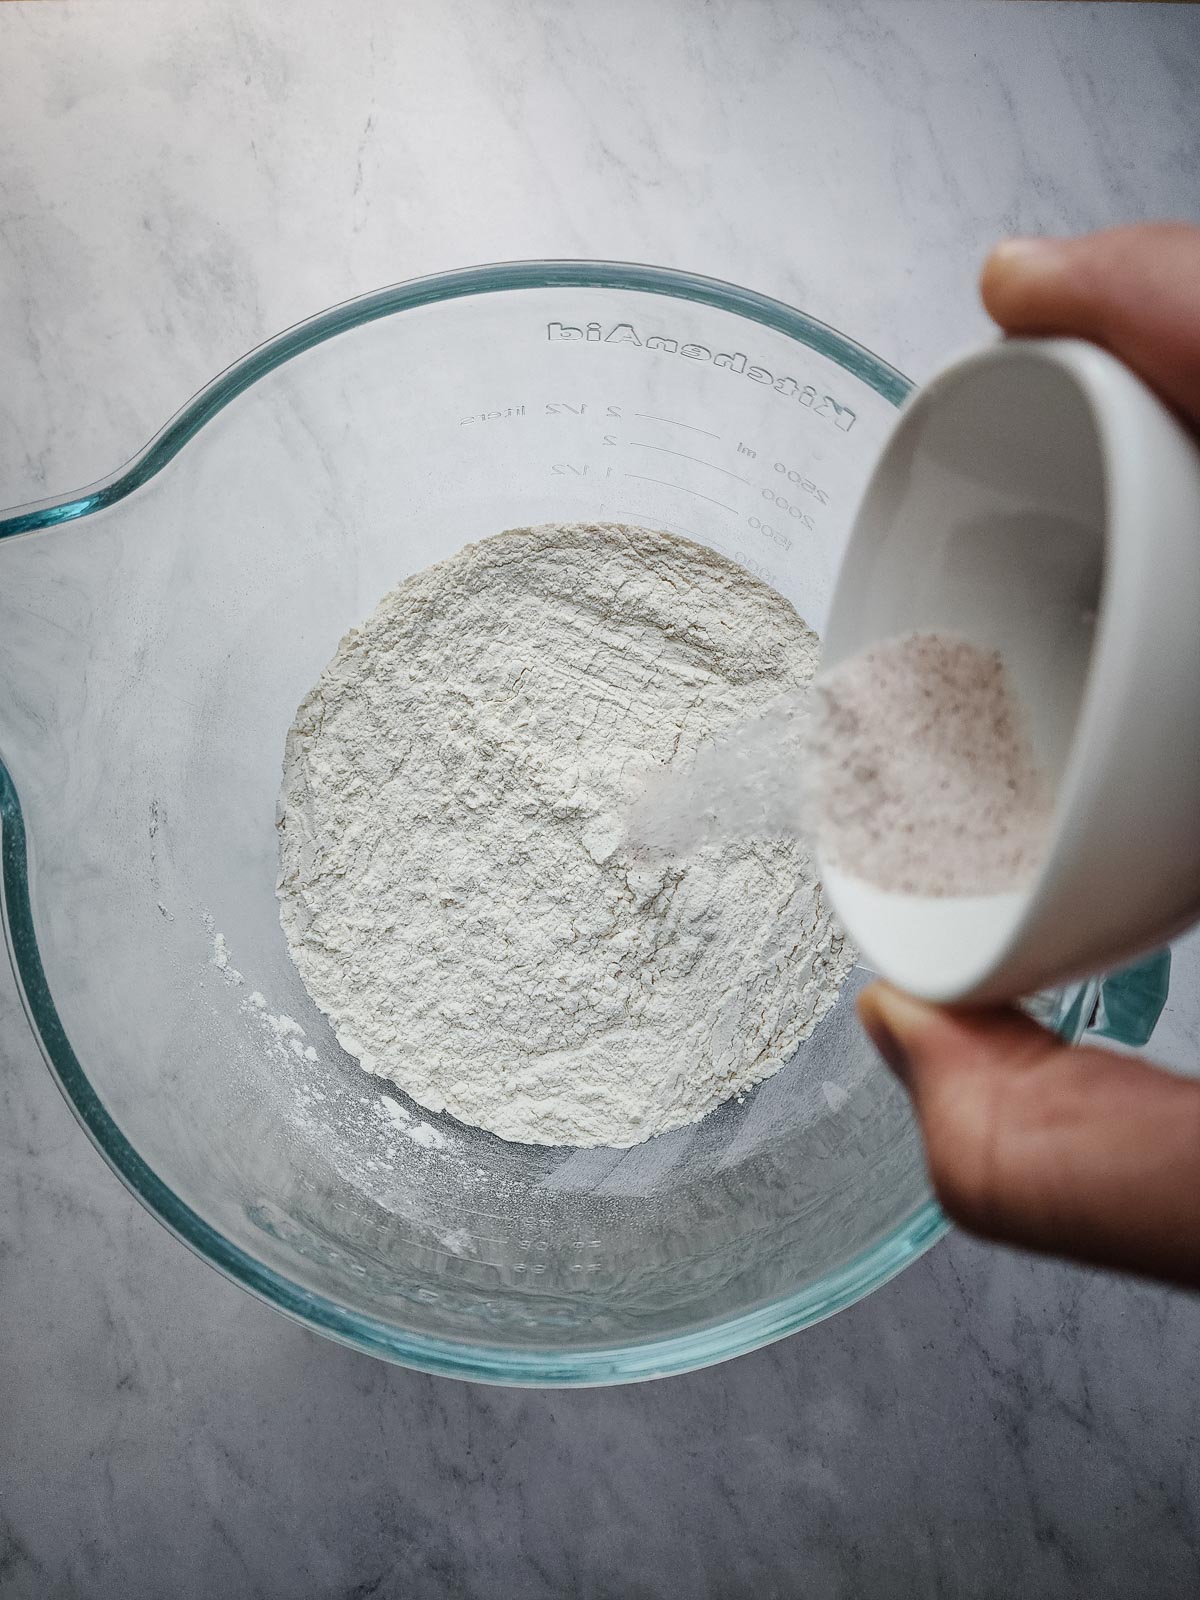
(176, 183)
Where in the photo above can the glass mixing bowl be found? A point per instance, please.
(151, 660)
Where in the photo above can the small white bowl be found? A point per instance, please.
(1036, 498)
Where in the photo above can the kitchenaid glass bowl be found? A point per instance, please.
(157, 632)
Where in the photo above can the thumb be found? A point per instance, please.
(1074, 1152)
(1131, 289)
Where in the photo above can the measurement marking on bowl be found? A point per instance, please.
(667, 484)
(651, 519)
(640, 444)
(649, 416)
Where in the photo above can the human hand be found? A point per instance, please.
(1073, 1152)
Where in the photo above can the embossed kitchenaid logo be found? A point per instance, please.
(806, 394)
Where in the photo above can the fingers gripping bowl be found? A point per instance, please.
(157, 632)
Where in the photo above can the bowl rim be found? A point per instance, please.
(463, 282)
(655, 1356)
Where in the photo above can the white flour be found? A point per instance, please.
(453, 884)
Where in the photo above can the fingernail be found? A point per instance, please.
(892, 1020)
(871, 1011)
(1026, 255)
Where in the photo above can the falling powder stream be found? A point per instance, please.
(910, 765)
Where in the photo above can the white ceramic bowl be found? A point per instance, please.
(1038, 499)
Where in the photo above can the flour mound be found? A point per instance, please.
(454, 882)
